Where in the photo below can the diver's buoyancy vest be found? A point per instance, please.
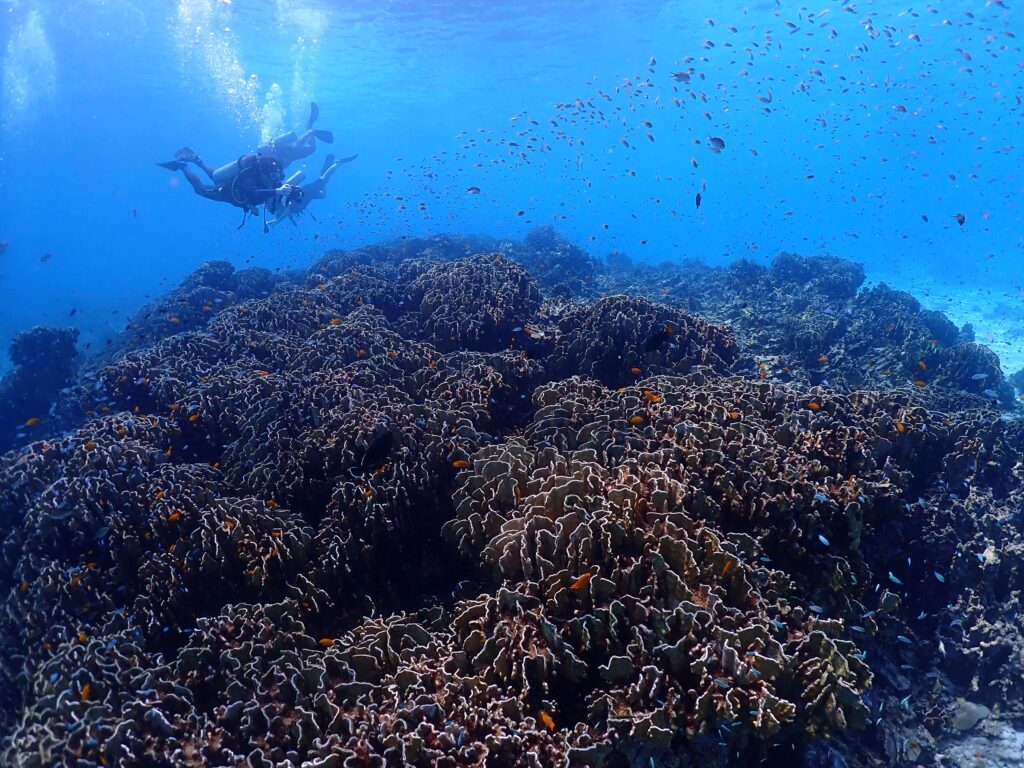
(245, 166)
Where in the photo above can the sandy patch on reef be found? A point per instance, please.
(993, 744)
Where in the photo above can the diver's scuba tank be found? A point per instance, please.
(230, 171)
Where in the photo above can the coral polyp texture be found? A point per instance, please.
(454, 502)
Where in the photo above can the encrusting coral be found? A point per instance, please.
(412, 512)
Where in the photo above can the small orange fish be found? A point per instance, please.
(580, 582)
(195, 417)
(460, 464)
(922, 365)
(83, 695)
(814, 406)
(175, 320)
(901, 427)
(33, 421)
(762, 371)
(174, 517)
(90, 444)
(636, 419)
(271, 503)
(549, 722)
(635, 371)
(326, 642)
(735, 415)
(651, 397)
(920, 383)
(823, 359)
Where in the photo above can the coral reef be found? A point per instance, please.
(619, 339)
(474, 303)
(433, 503)
(44, 363)
(212, 288)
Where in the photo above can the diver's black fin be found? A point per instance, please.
(186, 154)
(173, 165)
(327, 163)
(314, 113)
(325, 136)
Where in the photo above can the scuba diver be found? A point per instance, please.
(253, 178)
(251, 181)
(289, 207)
(289, 147)
(285, 149)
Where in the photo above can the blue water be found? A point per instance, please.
(881, 114)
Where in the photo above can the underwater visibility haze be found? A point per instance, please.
(511, 384)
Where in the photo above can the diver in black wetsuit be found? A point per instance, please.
(256, 177)
(252, 180)
(285, 149)
(292, 206)
(289, 147)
